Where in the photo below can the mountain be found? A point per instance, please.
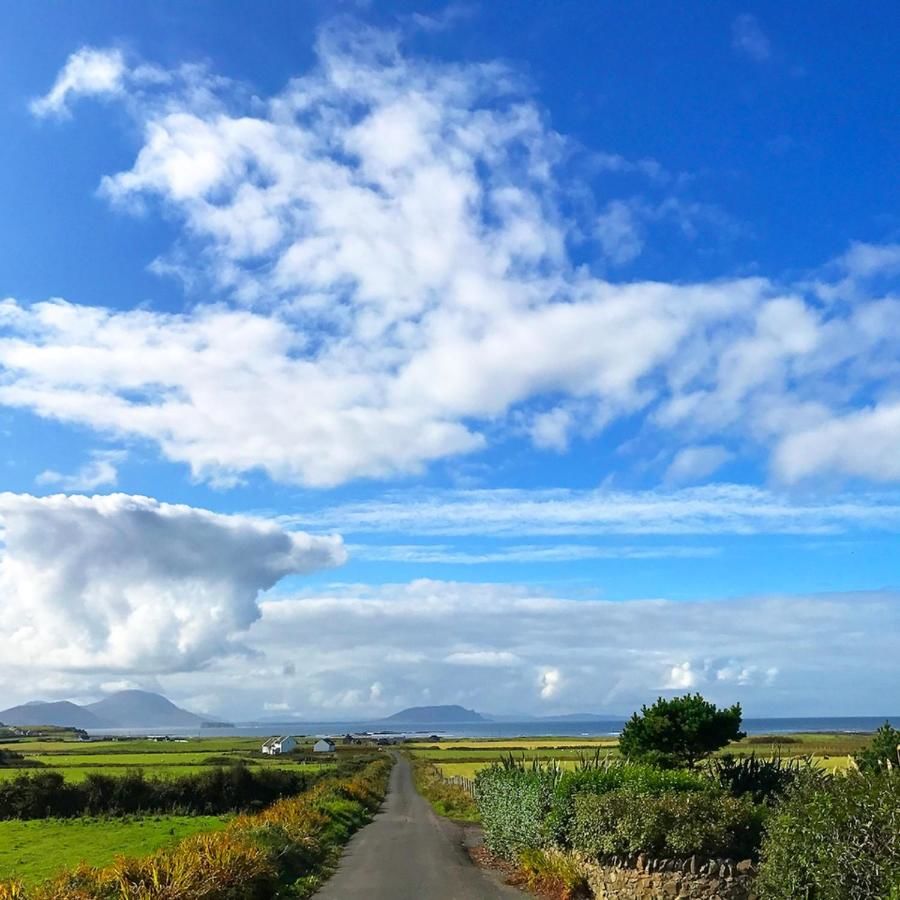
(126, 709)
(62, 713)
(141, 709)
(435, 715)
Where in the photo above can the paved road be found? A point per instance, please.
(409, 853)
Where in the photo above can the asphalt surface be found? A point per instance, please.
(409, 853)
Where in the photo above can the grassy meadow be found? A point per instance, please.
(37, 849)
(466, 757)
(75, 759)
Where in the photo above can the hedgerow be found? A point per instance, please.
(667, 824)
(282, 851)
(46, 794)
(532, 806)
(835, 839)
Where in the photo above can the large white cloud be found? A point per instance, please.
(132, 584)
(399, 228)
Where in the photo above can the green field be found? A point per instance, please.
(38, 849)
(75, 759)
(467, 757)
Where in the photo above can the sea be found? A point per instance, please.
(528, 728)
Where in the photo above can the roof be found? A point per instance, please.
(271, 742)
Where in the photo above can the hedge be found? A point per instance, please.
(282, 851)
(835, 840)
(532, 807)
(46, 794)
(668, 824)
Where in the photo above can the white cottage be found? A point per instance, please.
(324, 746)
(278, 745)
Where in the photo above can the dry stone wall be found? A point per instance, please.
(641, 878)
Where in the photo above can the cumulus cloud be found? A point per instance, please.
(393, 242)
(128, 583)
(101, 471)
(88, 73)
(696, 463)
(549, 682)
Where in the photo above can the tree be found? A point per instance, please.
(680, 732)
(883, 750)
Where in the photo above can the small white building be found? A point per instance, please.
(324, 746)
(277, 745)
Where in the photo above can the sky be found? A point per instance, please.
(537, 357)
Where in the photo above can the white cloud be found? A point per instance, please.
(550, 430)
(748, 38)
(549, 682)
(618, 233)
(681, 677)
(529, 554)
(488, 658)
(696, 463)
(101, 471)
(863, 443)
(396, 231)
(130, 584)
(87, 73)
(709, 509)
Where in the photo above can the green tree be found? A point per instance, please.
(884, 749)
(680, 732)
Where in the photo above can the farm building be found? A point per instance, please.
(324, 746)
(277, 745)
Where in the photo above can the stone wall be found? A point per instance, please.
(640, 878)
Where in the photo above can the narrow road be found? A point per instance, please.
(409, 853)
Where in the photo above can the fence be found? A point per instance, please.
(465, 784)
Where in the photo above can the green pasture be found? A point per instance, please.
(75, 759)
(467, 757)
(34, 850)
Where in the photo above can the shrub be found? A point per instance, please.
(514, 802)
(611, 775)
(668, 824)
(533, 806)
(837, 839)
(553, 874)
(680, 732)
(764, 780)
(882, 752)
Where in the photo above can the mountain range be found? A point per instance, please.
(142, 709)
(124, 709)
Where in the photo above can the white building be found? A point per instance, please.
(277, 745)
(324, 746)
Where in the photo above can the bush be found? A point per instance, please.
(533, 806)
(883, 751)
(668, 824)
(764, 780)
(611, 775)
(515, 802)
(680, 732)
(835, 839)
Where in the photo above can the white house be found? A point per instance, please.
(324, 746)
(276, 745)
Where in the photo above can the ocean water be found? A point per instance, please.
(568, 728)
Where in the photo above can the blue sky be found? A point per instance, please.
(564, 307)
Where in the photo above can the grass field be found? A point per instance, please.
(75, 759)
(34, 850)
(466, 758)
